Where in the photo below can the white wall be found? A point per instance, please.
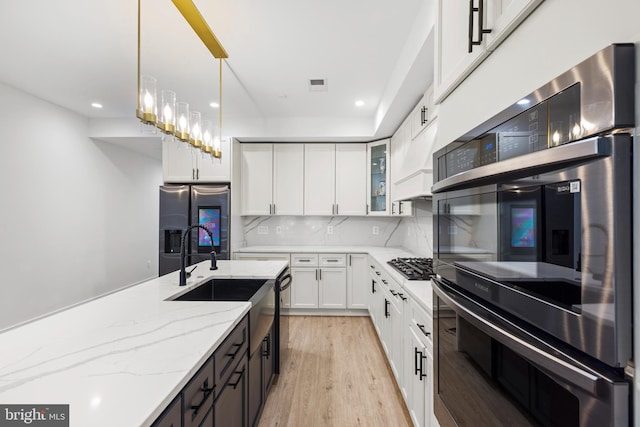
(78, 218)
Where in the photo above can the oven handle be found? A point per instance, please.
(528, 164)
(563, 370)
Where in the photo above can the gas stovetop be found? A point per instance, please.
(413, 268)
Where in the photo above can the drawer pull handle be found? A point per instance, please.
(304, 260)
(206, 390)
(401, 295)
(333, 260)
(384, 281)
(394, 293)
(235, 353)
(424, 331)
(240, 375)
(372, 266)
(378, 273)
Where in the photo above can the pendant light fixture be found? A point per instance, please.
(175, 118)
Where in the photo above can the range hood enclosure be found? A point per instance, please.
(416, 178)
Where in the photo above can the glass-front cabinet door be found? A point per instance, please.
(377, 177)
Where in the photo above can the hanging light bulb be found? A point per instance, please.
(207, 137)
(167, 122)
(182, 121)
(195, 136)
(147, 110)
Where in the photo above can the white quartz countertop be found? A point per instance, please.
(420, 290)
(120, 359)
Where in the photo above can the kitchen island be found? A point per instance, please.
(120, 359)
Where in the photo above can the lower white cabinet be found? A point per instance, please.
(318, 281)
(357, 280)
(418, 359)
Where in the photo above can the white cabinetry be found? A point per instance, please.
(377, 173)
(182, 163)
(357, 280)
(351, 179)
(461, 47)
(269, 256)
(319, 281)
(319, 179)
(271, 179)
(335, 179)
(423, 113)
(402, 208)
(504, 16)
(418, 359)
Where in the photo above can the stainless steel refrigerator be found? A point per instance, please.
(182, 206)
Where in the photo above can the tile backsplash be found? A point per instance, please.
(412, 233)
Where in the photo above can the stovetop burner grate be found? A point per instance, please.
(413, 268)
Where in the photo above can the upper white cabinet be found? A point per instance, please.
(271, 179)
(335, 179)
(319, 179)
(423, 113)
(467, 31)
(288, 173)
(182, 163)
(504, 16)
(256, 182)
(377, 173)
(351, 179)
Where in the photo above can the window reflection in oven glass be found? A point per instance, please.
(483, 383)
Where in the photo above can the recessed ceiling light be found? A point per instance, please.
(96, 105)
(524, 101)
(359, 103)
(215, 105)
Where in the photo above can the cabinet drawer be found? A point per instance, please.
(304, 260)
(231, 351)
(172, 416)
(422, 323)
(332, 260)
(198, 395)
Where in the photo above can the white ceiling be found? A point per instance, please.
(74, 52)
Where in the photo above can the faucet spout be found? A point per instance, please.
(183, 254)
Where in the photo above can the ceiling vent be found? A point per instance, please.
(317, 85)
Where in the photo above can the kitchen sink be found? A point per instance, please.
(224, 290)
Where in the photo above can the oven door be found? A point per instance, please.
(551, 248)
(490, 371)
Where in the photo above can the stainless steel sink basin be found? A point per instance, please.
(224, 290)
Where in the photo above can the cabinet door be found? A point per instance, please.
(332, 285)
(357, 281)
(211, 169)
(256, 179)
(304, 288)
(288, 179)
(504, 16)
(377, 174)
(395, 338)
(231, 408)
(416, 383)
(256, 386)
(351, 179)
(268, 363)
(177, 161)
(319, 179)
(454, 62)
(172, 416)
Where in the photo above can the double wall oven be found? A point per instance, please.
(533, 257)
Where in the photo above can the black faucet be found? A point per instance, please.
(183, 255)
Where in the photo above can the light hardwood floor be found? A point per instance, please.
(336, 375)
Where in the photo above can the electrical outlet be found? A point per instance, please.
(375, 230)
(263, 229)
(278, 229)
(329, 229)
